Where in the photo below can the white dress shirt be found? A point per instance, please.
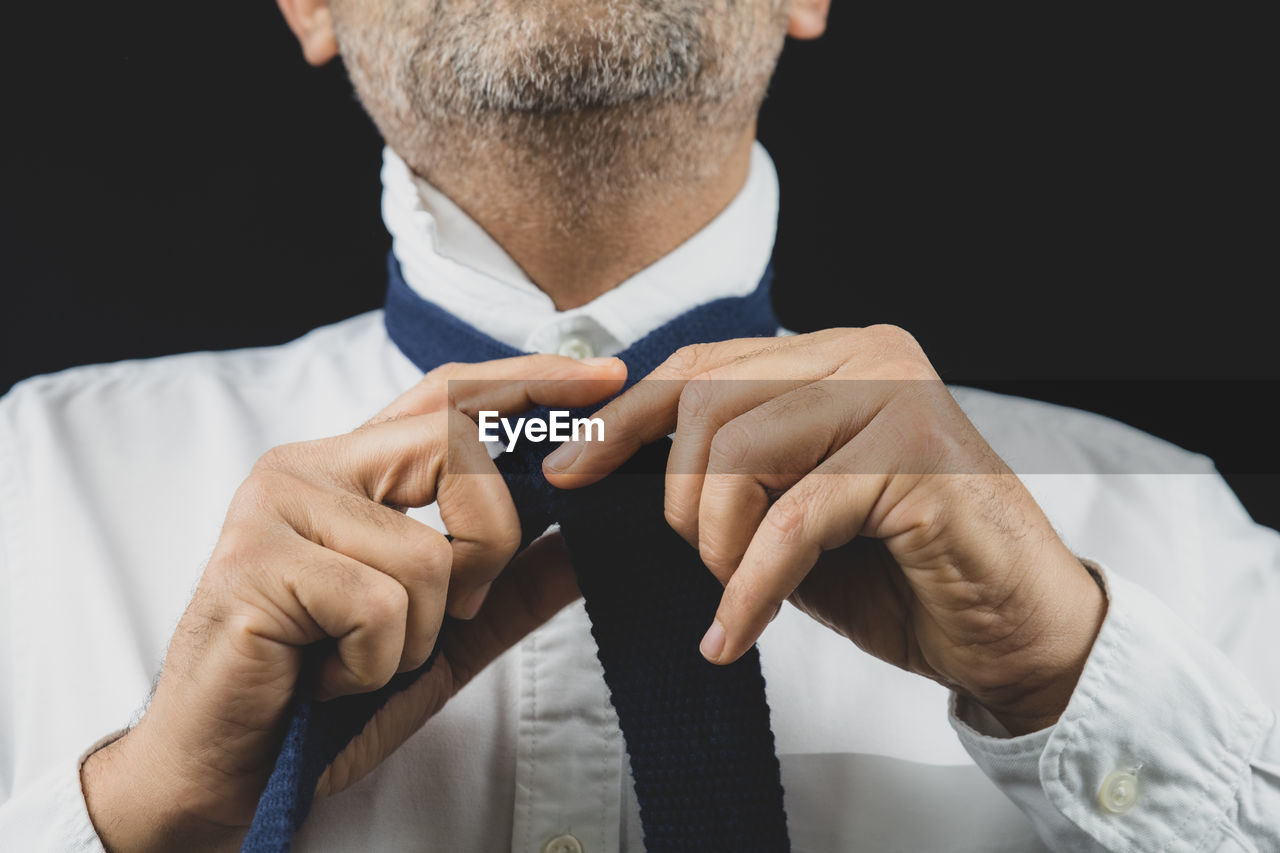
(114, 481)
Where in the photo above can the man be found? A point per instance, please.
(566, 177)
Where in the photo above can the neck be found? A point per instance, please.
(580, 230)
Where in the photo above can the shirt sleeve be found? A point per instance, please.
(1164, 745)
(50, 812)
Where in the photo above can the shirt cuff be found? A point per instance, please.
(50, 813)
(1152, 748)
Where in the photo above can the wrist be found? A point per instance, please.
(136, 804)
(1043, 676)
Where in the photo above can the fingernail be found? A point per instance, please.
(471, 605)
(713, 642)
(562, 457)
(599, 361)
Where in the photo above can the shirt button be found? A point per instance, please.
(1119, 792)
(574, 346)
(562, 844)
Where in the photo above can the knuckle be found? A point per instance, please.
(508, 538)
(696, 398)
(687, 359)
(236, 550)
(898, 355)
(907, 419)
(432, 557)
(717, 557)
(264, 489)
(435, 551)
(913, 369)
(285, 457)
(275, 459)
(679, 516)
(928, 521)
(455, 423)
(242, 628)
(453, 435)
(418, 649)
(337, 573)
(892, 335)
(731, 447)
(387, 603)
(444, 372)
(947, 452)
(243, 623)
(487, 534)
(920, 431)
(439, 383)
(418, 656)
(377, 672)
(786, 521)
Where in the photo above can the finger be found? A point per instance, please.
(723, 394)
(477, 510)
(360, 607)
(472, 497)
(643, 414)
(412, 461)
(511, 385)
(419, 558)
(826, 509)
(763, 452)
(705, 406)
(400, 462)
(648, 411)
(538, 584)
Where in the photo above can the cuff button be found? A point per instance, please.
(1119, 792)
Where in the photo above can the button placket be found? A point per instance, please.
(570, 757)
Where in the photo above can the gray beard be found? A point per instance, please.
(588, 99)
(499, 63)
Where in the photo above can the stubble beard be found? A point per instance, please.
(581, 102)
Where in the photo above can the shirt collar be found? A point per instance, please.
(450, 260)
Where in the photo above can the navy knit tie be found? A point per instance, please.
(702, 755)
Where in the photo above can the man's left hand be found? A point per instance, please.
(835, 470)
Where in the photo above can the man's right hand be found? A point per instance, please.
(316, 547)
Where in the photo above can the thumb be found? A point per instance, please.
(511, 385)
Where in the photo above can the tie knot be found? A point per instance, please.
(633, 492)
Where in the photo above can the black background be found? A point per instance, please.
(1066, 203)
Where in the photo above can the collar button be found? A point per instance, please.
(575, 346)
